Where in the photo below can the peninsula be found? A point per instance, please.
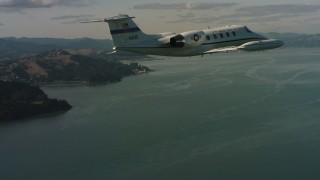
(20, 101)
(20, 96)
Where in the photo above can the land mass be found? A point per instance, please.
(20, 101)
(20, 98)
(61, 66)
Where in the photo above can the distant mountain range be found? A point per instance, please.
(297, 40)
(15, 47)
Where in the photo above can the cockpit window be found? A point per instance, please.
(208, 38)
(247, 29)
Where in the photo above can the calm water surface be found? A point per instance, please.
(226, 116)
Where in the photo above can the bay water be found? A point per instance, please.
(226, 116)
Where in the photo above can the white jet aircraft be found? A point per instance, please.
(127, 37)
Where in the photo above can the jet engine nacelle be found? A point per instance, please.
(261, 45)
(188, 39)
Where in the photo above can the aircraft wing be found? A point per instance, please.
(226, 49)
(249, 46)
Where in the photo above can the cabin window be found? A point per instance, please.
(234, 33)
(221, 35)
(215, 36)
(208, 38)
(228, 35)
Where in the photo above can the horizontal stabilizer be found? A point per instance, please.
(93, 21)
(114, 18)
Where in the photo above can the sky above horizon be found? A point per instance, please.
(61, 18)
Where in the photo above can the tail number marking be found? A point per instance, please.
(135, 37)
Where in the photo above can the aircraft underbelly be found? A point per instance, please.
(183, 51)
(163, 51)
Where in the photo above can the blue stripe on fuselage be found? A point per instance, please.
(120, 31)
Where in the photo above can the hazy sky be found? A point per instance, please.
(60, 18)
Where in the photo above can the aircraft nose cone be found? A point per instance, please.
(281, 42)
(278, 42)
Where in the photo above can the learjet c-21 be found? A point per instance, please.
(128, 37)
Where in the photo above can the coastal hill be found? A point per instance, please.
(61, 66)
(19, 101)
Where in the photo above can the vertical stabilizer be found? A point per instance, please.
(124, 31)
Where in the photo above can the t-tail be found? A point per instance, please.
(124, 31)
